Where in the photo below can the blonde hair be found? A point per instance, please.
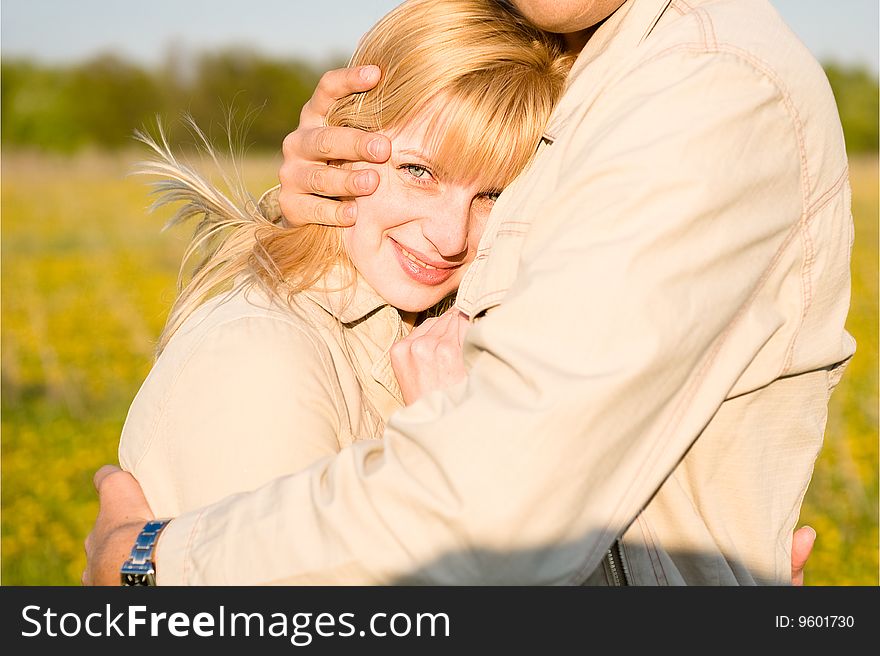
(485, 80)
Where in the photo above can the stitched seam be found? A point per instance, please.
(624, 554)
(825, 198)
(806, 290)
(706, 19)
(656, 565)
(488, 298)
(690, 389)
(189, 542)
(698, 16)
(693, 385)
(809, 260)
(764, 69)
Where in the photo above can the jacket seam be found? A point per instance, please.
(190, 539)
(656, 565)
(809, 259)
(759, 66)
(764, 69)
(692, 386)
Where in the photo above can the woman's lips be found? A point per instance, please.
(422, 272)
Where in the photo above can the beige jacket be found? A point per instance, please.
(250, 389)
(658, 312)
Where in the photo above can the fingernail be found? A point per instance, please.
(377, 148)
(350, 212)
(369, 73)
(363, 181)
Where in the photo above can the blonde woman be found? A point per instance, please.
(276, 353)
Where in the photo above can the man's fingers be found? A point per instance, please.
(336, 143)
(337, 84)
(102, 474)
(116, 487)
(801, 547)
(316, 210)
(334, 182)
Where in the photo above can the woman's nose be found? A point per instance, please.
(447, 226)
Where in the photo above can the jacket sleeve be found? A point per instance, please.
(640, 298)
(250, 401)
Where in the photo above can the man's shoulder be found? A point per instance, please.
(751, 38)
(751, 31)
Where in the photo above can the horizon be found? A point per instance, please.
(50, 33)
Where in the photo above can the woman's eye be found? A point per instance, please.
(417, 171)
(490, 196)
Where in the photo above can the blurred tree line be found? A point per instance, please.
(100, 102)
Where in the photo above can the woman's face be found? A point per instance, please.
(416, 234)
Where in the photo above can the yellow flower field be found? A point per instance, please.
(87, 278)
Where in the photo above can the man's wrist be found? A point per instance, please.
(140, 568)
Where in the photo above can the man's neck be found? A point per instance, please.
(576, 41)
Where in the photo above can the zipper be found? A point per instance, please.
(616, 564)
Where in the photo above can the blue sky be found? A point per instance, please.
(67, 31)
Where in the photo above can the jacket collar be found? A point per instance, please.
(621, 33)
(346, 298)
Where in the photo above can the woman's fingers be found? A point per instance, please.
(429, 358)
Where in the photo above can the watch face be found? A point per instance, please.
(136, 573)
(129, 579)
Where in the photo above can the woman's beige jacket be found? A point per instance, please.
(250, 388)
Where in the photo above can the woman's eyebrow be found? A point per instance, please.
(415, 152)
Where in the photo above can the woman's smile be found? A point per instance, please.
(419, 270)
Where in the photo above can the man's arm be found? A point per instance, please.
(123, 511)
(573, 413)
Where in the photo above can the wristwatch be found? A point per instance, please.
(140, 568)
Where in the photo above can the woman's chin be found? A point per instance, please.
(413, 306)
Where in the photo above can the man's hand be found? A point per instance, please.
(122, 513)
(309, 185)
(802, 542)
(429, 358)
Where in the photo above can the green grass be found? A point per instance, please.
(87, 279)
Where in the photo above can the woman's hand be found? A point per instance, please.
(123, 510)
(429, 358)
(309, 185)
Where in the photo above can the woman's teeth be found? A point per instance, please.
(416, 260)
